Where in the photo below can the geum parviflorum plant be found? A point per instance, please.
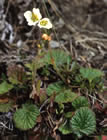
(58, 99)
(58, 88)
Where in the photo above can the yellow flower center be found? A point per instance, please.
(34, 17)
(44, 22)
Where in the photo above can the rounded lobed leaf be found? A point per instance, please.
(54, 88)
(65, 128)
(16, 74)
(57, 56)
(25, 118)
(83, 122)
(90, 74)
(5, 107)
(5, 87)
(65, 96)
(80, 101)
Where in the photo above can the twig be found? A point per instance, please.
(95, 98)
(45, 102)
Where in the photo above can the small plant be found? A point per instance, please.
(50, 93)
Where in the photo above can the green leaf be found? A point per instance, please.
(5, 107)
(65, 96)
(29, 66)
(74, 66)
(16, 74)
(66, 128)
(80, 101)
(68, 114)
(60, 109)
(25, 118)
(54, 88)
(5, 87)
(59, 57)
(83, 122)
(62, 94)
(35, 64)
(90, 74)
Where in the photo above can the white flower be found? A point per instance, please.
(33, 16)
(45, 23)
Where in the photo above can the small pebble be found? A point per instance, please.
(54, 44)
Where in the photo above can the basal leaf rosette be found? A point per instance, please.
(83, 122)
(25, 117)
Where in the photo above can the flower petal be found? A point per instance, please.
(28, 15)
(33, 17)
(36, 12)
(45, 23)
